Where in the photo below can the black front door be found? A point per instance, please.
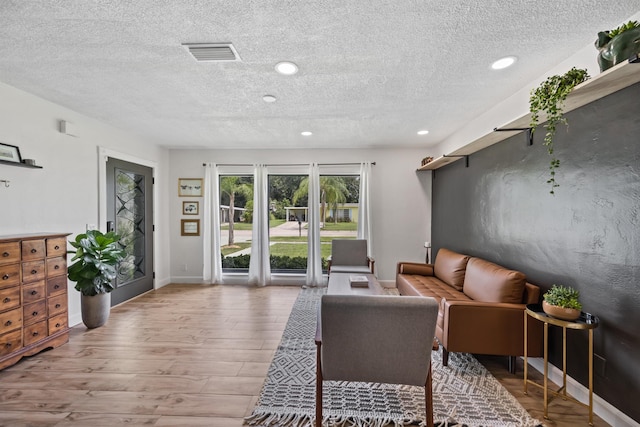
(130, 214)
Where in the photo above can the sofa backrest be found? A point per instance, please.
(450, 268)
(489, 282)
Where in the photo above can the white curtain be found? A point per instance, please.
(259, 266)
(314, 261)
(212, 271)
(364, 212)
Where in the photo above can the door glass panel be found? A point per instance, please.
(288, 216)
(130, 224)
(236, 222)
(339, 204)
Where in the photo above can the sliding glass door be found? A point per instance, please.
(339, 204)
(236, 220)
(288, 228)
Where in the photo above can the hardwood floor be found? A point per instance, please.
(184, 355)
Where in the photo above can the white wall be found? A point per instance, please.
(401, 201)
(62, 197)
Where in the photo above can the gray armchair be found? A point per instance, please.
(350, 256)
(379, 339)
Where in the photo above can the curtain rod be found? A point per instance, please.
(289, 164)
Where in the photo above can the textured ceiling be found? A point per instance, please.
(372, 73)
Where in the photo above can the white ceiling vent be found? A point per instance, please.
(212, 52)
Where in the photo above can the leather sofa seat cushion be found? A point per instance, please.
(450, 268)
(489, 282)
(427, 286)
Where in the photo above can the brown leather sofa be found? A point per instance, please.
(481, 305)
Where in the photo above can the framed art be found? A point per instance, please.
(10, 153)
(190, 227)
(190, 208)
(190, 187)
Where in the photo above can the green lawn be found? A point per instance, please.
(328, 226)
(226, 250)
(323, 239)
(340, 226)
(281, 249)
(249, 226)
(296, 249)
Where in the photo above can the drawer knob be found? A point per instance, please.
(5, 254)
(6, 300)
(35, 333)
(35, 313)
(56, 247)
(34, 271)
(57, 305)
(34, 250)
(5, 277)
(56, 287)
(58, 325)
(8, 323)
(57, 267)
(8, 345)
(34, 292)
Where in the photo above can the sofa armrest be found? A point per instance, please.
(487, 328)
(414, 268)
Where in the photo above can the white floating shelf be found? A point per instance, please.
(612, 80)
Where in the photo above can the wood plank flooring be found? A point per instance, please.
(184, 355)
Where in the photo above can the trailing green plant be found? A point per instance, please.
(563, 296)
(549, 98)
(96, 259)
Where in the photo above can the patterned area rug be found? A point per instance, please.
(464, 393)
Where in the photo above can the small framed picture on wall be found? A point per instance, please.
(10, 153)
(190, 208)
(190, 187)
(190, 227)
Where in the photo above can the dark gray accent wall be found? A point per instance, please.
(586, 236)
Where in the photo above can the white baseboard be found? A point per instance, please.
(186, 279)
(74, 320)
(601, 407)
(159, 283)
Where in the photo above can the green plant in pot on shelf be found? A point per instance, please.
(618, 45)
(96, 259)
(548, 98)
(562, 302)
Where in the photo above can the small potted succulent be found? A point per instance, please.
(562, 302)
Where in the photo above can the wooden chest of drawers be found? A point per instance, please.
(33, 295)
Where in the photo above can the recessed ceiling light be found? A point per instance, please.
(306, 133)
(505, 62)
(269, 98)
(423, 132)
(287, 68)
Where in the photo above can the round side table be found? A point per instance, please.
(586, 321)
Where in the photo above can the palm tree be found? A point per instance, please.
(231, 186)
(333, 191)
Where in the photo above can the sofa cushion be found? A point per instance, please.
(489, 282)
(427, 286)
(450, 268)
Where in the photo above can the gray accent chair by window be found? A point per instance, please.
(350, 256)
(376, 339)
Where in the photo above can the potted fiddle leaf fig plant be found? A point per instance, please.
(562, 302)
(96, 259)
(548, 98)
